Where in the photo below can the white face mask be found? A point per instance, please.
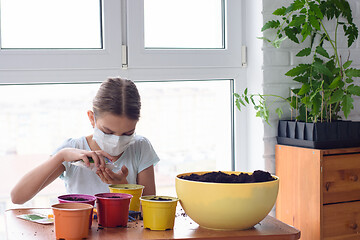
(112, 144)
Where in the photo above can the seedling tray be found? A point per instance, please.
(325, 135)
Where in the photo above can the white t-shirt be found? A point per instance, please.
(137, 157)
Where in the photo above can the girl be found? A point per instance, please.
(116, 111)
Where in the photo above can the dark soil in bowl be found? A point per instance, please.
(221, 177)
(75, 199)
(114, 197)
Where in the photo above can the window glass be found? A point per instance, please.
(187, 122)
(184, 23)
(50, 24)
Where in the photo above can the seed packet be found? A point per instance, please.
(38, 218)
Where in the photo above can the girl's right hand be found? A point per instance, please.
(74, 154)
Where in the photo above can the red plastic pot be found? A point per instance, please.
(113, 209)
(79, 198)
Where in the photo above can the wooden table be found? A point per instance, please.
(185, 228)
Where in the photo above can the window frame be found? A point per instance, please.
(141, 57)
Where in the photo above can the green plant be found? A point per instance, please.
(326, 83)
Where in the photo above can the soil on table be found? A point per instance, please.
(221, 177)
(75, 199)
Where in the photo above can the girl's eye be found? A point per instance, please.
(127, 134)
(108, 133)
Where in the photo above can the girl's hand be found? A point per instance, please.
(73, 154)
(109, 177)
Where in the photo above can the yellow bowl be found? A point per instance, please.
(134, 189)
(226, 206)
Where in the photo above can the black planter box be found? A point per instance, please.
(325, 135)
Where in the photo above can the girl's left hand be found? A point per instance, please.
(109, 177)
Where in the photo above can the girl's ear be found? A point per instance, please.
(91, 117)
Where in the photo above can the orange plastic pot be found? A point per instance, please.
(71, 220)
(79, 198)
(113, 209)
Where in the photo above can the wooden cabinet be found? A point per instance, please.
(319, 191)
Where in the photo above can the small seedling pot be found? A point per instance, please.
(134, 189)
(158, 212)
(79, 198)
(113, 209)
(71, 220)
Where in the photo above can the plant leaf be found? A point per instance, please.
(304, 89)
(349, 80)
(335, 83)
(315, 8)
(336, 97)
(351, 32)
(355, 90)
(238, 104)
(321, 68)
(298, 4)
(301, 68)
(304, 52)
(246, 99)
(305, 100)
(291, 34)
(252, 100)
(271, 24)
(320, 50)
(347, 64)
(306, 31)
(298, 20)
(352, 72)
(314, 22)
(347, 105)
(280, 11)
(279, 111)
(301, 79)
(316, 103)
(242, 102)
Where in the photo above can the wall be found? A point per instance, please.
(276, 62)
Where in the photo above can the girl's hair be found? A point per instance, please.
(118, 96)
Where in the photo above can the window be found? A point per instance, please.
(29, 26)
(177, 117)
(30, 40)
(213, 42)
(184, 23)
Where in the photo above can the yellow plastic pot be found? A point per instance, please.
(134, 189)
(226, 206)
(157, 214)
